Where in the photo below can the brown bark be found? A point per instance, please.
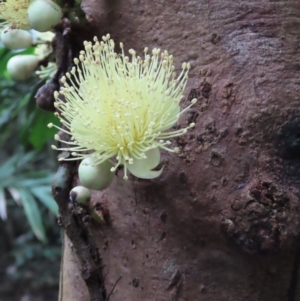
(221, 222)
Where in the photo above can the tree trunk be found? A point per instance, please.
(222, 221)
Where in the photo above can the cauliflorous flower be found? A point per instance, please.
(14, 12)
(47, 72)
(121, 109)
(43, 50)
(43, 37)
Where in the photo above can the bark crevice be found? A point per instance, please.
(78, 231)
(292, 290)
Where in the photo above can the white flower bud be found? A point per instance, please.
(43, 15)
(21, 67)
(80, 195)
(96, 177)
(16, 38)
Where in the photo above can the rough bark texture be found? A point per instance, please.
(222, 222)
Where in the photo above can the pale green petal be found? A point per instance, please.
(146, 174)
(152, 160)
(141, 168)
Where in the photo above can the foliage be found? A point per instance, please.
(24, 187)
(24, 135)
(27, 209)
(17, 108)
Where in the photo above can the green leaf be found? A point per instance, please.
(11, 166)
(24, 101)
(33, 179)
(33, 214)
(3, 53)
(27, 125)
(43, 194)
(6, 113)
(8, 168)
(3, 213)
(40, 133)
(15, 195)
(25, 158)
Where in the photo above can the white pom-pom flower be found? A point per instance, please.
(120, 109)
(14, 12)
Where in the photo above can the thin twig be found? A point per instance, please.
(113, 288)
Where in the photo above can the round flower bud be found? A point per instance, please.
(16, 38)
(43, 15)
(95, 177)
(80, 195)
(21, 67)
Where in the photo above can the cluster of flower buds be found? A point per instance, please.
(19, 16)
